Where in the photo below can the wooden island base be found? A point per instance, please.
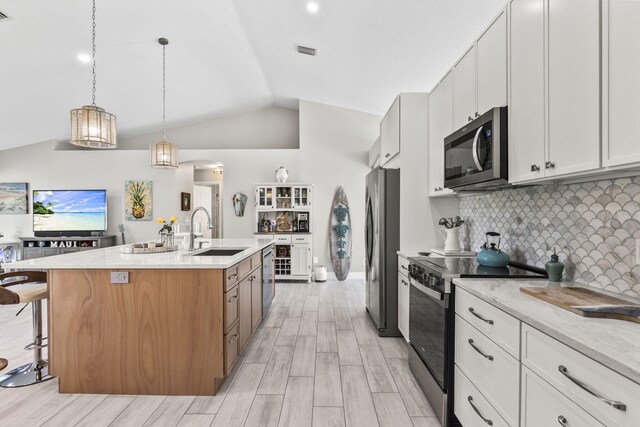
(162, 333)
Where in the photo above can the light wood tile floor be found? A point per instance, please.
(316, 360)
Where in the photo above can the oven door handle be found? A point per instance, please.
(476, 159)
(437, 295)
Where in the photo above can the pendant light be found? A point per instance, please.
(163, 154)
(92, 126)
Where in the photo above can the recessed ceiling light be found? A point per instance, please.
(84, 58)
(312, 7)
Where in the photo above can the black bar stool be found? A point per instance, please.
(34, 291)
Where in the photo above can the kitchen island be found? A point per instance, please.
(166, 323)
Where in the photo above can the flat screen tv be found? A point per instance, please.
(69, 212)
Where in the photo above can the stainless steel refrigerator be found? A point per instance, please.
(382, 243)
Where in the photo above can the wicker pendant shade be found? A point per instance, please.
(93, 127)
(163, 155)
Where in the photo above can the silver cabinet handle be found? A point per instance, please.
(475, 408)
(233, 339)
(613, 403)
(477, 115)
(470, 118)
(472, 311)
(233, 298)
(476, 348)
(562, 420)
(404, 282)
(403, 267)
(232, 276)
(388, 155)
(474, 149)
(535, 168)
(549, 165)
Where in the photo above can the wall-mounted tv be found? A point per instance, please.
(69, 212)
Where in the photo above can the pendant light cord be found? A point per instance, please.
(93, 53)
(164, 92)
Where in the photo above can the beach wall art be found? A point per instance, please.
(138, 200)
(13, 198)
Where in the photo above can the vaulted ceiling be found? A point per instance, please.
(224, 57)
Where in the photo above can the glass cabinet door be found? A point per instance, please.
(265, 197)
(301, 197)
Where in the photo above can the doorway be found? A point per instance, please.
(208, 180)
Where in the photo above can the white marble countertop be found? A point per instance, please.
(112, 258)
(614, 343)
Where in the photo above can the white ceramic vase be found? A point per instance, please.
(282, 174)
(451, 239)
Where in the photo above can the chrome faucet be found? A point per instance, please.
(192, 235)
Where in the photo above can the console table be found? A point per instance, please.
(38, 247)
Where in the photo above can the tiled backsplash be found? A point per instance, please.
(593, 225)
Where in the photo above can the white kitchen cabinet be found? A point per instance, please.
(464, 89)
(542, 405)
(300, 259)
(266, 197)
(574, 86)
(470, 406)
(440, 126)
(621, 81)
(301, 197)
(403, 297)
(480, 77)
(390, 133)
(527, 87)
(492, 66)
(554, 95)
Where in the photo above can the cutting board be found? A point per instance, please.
(587, 303)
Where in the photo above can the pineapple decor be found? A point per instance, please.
(139, 200)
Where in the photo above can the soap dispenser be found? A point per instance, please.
(554, 268)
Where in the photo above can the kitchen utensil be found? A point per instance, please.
(587, 303)
(490, 254)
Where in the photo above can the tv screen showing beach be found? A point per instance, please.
(72, 210)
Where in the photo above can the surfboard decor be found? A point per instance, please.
(340, 235)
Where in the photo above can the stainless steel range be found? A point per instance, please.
(431, 320)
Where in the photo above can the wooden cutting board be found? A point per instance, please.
(587, 303)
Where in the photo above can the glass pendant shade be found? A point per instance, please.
(163, 155)
(93, 127)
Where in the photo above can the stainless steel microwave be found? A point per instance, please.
(475, 156)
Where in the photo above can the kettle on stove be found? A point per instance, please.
(490, 254)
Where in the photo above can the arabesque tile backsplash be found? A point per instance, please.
(593, 225)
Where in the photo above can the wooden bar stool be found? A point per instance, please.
(3, 364)
(34, 292)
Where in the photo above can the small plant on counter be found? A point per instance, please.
(167, 227)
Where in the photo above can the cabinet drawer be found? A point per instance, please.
(230, 277)
(230, 308)
(403, 266)
(471, 408)
(256, 260)
(230, 349)
(282, 239)
(565, 368)
(493, 371)
(543, 405)
(500, 327)
(300, 239)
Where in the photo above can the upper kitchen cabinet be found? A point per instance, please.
(440, 125)
(390, 133)
(527, 86)
(621, 79)
(574, 86)
(480, 77)
(554, 88)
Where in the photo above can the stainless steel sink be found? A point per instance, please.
(219, 252)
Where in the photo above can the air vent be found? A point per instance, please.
(3, 16)
(306, 50)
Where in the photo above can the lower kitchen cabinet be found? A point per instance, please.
(543, 405)
(256, 298)
(403, 297)
(244, 312)
(471, 407)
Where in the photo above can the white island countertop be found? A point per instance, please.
(112, 258)
(614, 343)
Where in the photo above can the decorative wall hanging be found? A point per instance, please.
(163, 154)
(13, 198)
(239, 203)
(340, 235)
(185, 202)
(138, 200)
(92, 126)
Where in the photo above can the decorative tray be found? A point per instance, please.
(144, 249)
